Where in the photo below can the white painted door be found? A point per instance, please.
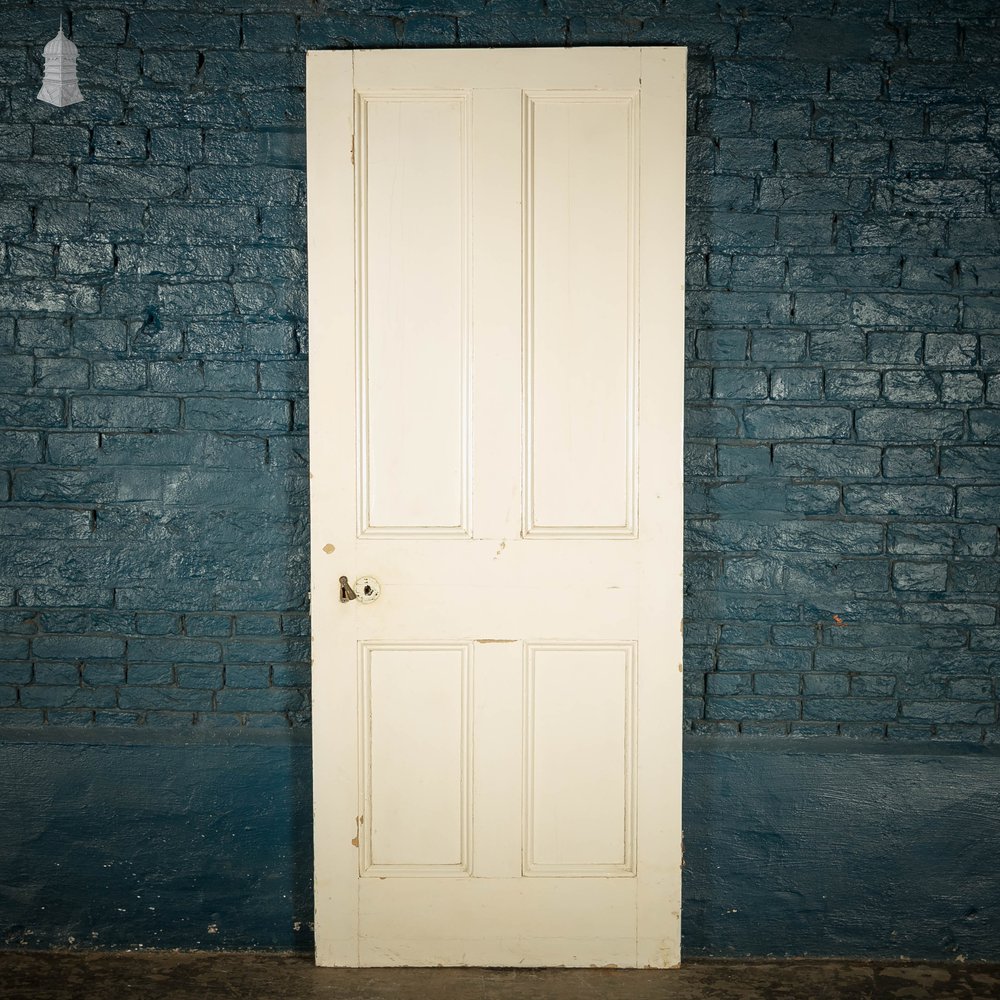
(496, 354)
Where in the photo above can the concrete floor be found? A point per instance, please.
(153, 975)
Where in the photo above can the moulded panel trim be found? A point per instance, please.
(627, 867)
(531, 528)
(360, 157)
(367, 866)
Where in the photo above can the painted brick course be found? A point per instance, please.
(843, 373)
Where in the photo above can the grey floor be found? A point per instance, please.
(149, 976)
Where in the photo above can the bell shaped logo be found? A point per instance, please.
(59, 86)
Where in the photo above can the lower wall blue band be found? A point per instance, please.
(800, 850)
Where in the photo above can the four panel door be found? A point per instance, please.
(496, 367)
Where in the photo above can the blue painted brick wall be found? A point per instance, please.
(843, 430)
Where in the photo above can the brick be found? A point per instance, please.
(201, 298)
(952, 711)
(150, 673)
(978, 502)
(796, 383)
(77, 647)
(45, 523)
(739, 383)
(746, 156)
(266, 651)
(852, 384)
(814, 194)
(769, 78)
(777, 684)
(912, 501)
(119, 375)
(873, 685)
(825, 684)
(261, 185)
(14, 672)
(175, 650)
(848, 272)
(920, 539)
(974, 577)
(970, 689)
(747, 307)
(236, 414)
(803, 156)
(67, 697)
(121, 412)
(118, 142)
(895, 233)
(99, 335)
(920, 576)
(20, 448)
(61, 373)
(749, 574)
(26, 261)
(752, 708)
(156, 624)
(909, 462)
(46, 334)
(853, 119)
(714, 421)
(984, 425)
(57, 673)
(904, 310)
(722, 345)
(180, 146)
(778, 345)
(103, 674)
(259, 625)
(762, 659)
(299, 675)
(849, 709)
(257, 339)
(743, 460)
(47, 297)
(930, 273)
(908, 424)
(728, 684)
(270, 699)
(807, 232)
(201, 224)
(964, 387)
(950, 350)
(247, 676)
(857, 82)
(844, 576)
(146, 181)
(168, 698)
(199, 676)
(976, 540)
(779, 421)
(208, 625)
(61, 141)
(793, 635)
(951, 613)
(895, 348)
(939, 197)
(176, 29)
(910, 387)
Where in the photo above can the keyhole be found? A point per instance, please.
(368, 590)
